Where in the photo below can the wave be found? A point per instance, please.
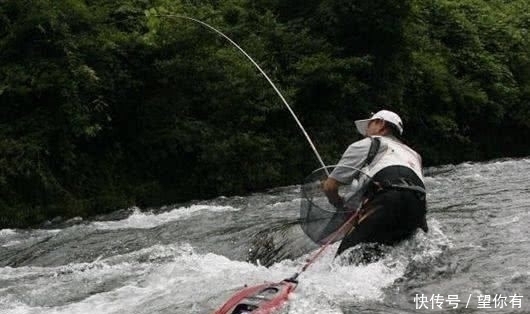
(147, 220)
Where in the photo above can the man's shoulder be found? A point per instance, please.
(365, 142)
(398, 141)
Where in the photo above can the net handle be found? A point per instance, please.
(324, 247)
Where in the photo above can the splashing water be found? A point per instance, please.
(191, 259)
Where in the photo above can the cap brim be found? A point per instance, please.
(362, 125)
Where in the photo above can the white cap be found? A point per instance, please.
(385, 115)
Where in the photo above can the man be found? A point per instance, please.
(394, 205)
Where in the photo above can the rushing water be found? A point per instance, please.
(191, 258)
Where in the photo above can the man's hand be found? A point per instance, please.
(331, 189)
(338, 203)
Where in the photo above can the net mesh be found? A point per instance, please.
(319, 219)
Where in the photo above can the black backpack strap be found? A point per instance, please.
(374, 148)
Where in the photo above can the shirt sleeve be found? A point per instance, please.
(354, 156)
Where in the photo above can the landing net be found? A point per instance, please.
(319, 219)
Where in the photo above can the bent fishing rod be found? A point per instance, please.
(336, 234)
(293, 280)
(262, 72)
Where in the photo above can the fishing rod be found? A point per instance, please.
(268, 297)
(262, 72)
(324, 167)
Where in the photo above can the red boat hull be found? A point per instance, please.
(261, 299)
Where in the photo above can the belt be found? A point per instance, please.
(401, 184)
(396, 184)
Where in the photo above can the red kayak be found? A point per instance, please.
(261, 299)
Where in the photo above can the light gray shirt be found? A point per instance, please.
(354, 156)
(353, 159)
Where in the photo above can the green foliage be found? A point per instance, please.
(110, 104)
(461, 70)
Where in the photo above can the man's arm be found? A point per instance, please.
(345, 171)
(331, 189)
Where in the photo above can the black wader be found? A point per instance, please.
(395, 208)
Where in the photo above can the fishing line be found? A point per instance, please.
(260, 69)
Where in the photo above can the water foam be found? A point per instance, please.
(7, 232)
(147, 220)
(10, 237)
(175, 279)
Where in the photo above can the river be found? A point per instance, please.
(190, 258)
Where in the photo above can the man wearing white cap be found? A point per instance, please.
(394, 205)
